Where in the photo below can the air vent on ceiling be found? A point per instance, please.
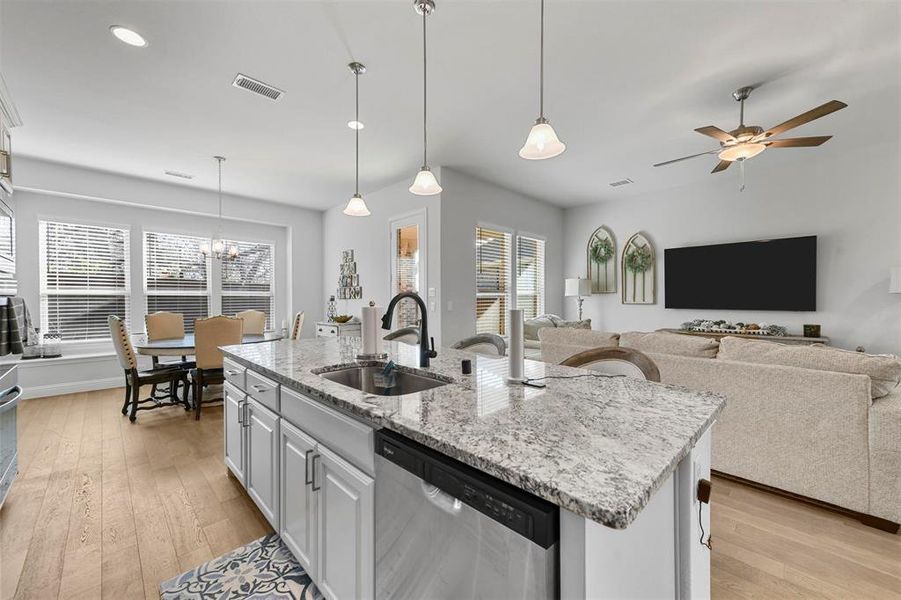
(257, 87)
(621, 182)
(179, 174)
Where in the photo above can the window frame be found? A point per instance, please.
(248, 294)
(209, 294)
(542, 309)
(511, 272)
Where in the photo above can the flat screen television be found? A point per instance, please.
(778, 274)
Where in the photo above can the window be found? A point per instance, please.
(492, 280)
(176, 276)
(83, 278)
(247, 280)
(530, 276)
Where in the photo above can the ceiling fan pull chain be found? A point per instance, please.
(741, 176)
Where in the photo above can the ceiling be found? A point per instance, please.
(627, 82)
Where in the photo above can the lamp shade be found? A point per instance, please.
(894, 286)
(356, 207)
(741, 151)
(425, 183)
(577, 286)
(542, 142)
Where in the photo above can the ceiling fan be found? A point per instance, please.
(747, 141)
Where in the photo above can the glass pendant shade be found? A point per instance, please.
(356, 207)
(542, 142)
(741, 151)
(425, 183)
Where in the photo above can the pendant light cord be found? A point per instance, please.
(541, 65)
(357, 133)
(425, 143)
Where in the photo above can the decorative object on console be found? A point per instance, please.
(601, 257)
(721, 326)
(425, 183)
(348, 279)
(812, 331)
(332, 310)
(639, 271)
(578, 288)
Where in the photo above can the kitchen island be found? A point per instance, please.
(620, 457)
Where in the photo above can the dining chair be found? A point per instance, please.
(483, 343)
(298, 325)
(209, 334)
(405, 335)
(163, 325)
(254, 321)
(134, 378)
(615, 360)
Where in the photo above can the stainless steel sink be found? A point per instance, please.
(370, 379)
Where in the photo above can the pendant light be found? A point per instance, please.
(356, 206)
(425, 183)
(216, 246)
(542, 141)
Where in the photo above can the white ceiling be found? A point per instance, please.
(626, 83)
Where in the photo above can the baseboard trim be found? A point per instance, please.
(868, 520)
(72, 387)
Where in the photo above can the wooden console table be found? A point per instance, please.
(782, 339)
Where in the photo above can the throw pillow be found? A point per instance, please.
(531, 326)
(884, 370)
(664, 342)
(584, 324)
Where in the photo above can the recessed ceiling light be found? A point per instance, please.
(356, 125)
(128, 36)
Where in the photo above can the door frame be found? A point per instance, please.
(418, 217)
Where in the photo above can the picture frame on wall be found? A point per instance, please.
(600, 257)
(639, 271)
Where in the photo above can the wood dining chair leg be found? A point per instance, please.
(127, 397)
(198, 394)
(135, 398)
(184, 391)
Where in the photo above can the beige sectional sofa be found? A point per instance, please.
(814, 421)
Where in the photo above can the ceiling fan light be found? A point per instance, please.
(356, 207)
(741, 151)
(425, 183)
(542, 142)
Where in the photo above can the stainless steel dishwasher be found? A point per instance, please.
(446, 530)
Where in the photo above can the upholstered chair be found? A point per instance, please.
(615, 360)
(134, 378)
(298, 325)
(166, 326)
(209, 334)
(405, 335)
(483, 343)
(254, 321)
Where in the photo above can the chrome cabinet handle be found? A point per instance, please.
(240, 414)
(316, 488)
(246, 414)
(306, 468)
(16, 392)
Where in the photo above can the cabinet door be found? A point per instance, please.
(298, 500)
(346, 527)
(262, 459)
(234, 432)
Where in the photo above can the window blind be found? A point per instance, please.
(530, 276)
(84, 273)
(492, 280)
(176, 276)
(247, 279)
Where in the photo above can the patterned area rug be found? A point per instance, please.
(264, 568)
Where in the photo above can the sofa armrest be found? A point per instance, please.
(799, 430)
(885, 457)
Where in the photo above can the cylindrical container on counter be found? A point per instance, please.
(370, 330)
(515, 348)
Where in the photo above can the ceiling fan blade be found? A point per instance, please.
(716, 133)
(669, 162)
(800, 142)
(721, 166)
(810, 115)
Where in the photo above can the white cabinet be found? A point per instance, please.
(346, 528)
(262, 474)
(234, 430)
(298, 500)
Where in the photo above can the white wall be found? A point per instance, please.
(56, 191)
(851, 201)
(467, 202)
(369, 238)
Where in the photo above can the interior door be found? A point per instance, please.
(298, 500)
(408, 265)
(346, 529)
(234, 431)
(262, 459)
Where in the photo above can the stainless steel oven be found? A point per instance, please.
(10, 394)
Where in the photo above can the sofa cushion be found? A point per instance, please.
(583, 324)
(531, 326)
(664, 342)
(884, 370)
(560, 343)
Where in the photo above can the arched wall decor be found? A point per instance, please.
(639, 271)
(600, 259)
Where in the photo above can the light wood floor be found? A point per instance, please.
(103, 508)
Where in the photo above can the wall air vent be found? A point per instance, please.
(257, 87)
(621, 182)
(179, 174)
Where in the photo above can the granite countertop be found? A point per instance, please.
(597, 446)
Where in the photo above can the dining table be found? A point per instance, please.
(184, 346)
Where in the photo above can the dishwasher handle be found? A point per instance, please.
(6, 402)
(441, 499)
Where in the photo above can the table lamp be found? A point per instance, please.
(578, 287)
